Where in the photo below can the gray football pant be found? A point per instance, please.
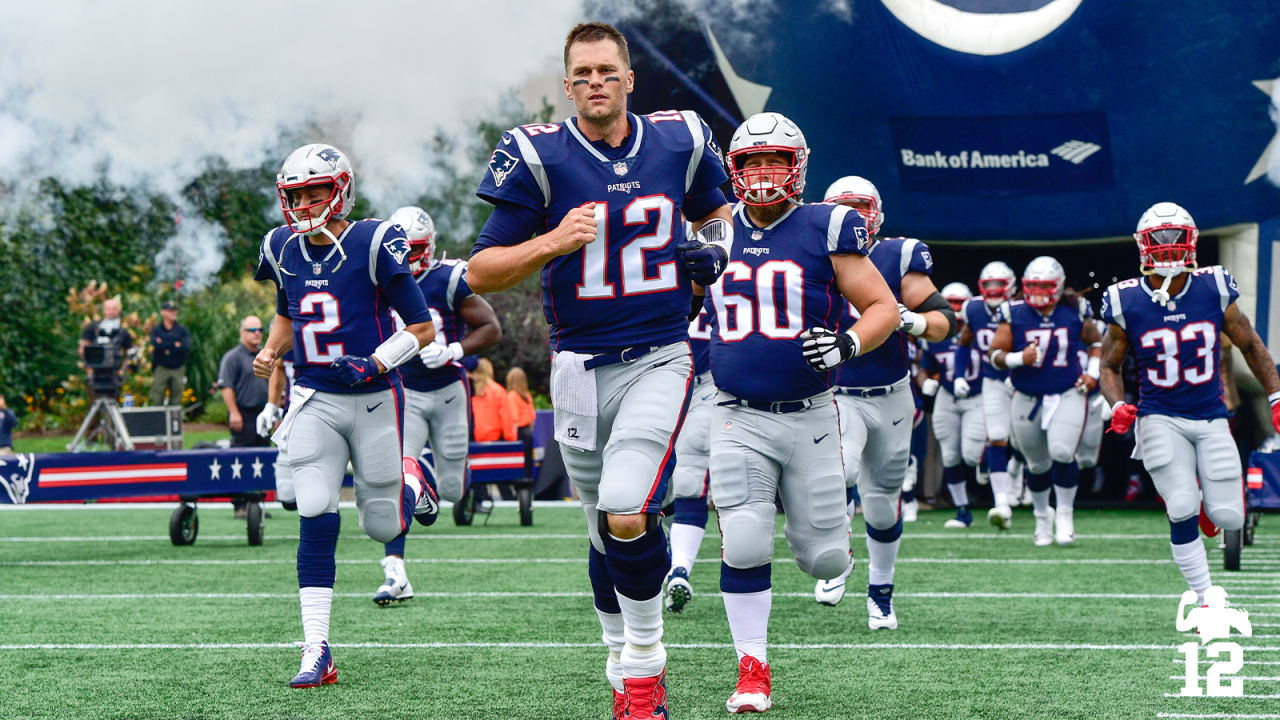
(440, 416)
(1091, 440)
(960, 429)
(1042, 448)
(641, 405)
(875, 440)
(284, 479)
(1177, 450)
(693, 447)
(332, 429)
(997, 395)
(756, 456)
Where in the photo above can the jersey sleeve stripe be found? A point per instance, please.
(373, 249)
(908, 249)
(454, 277)
(531, 158)
(834, 223)
(271, 258)
(1224, 297)
(699, 142)
(1117, 310)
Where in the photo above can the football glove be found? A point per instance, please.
(267, 419)
(354, 370)
(825, 349)
(929, 387)
(912, 322)
(703, 262)
(1122, 417)
(960, 388)
(435, 355)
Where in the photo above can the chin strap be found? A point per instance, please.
(1161, 296)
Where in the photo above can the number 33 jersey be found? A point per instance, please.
(626, 287)
(779, 282)
(1176, 345)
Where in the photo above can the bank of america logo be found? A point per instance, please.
(1076, 151)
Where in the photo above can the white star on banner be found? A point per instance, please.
(215, 470)
(236, 467)
(1260, 167)
(257, 466)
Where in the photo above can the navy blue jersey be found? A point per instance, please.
(779, 281)
(444, 286)
(983, 321)
(1059, 339)
(700, 341)
(338, 306)
(888, 363)
(940, 357)
(1176, 346)
(625, 288)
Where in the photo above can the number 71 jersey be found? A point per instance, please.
(626, 287)
(1176, 345)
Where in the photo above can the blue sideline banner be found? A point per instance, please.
(1003, 155)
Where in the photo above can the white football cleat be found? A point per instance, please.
(752, 693)
(1000, 516)
(880, 613)
(1065, 530)
(910, 511)
(1044, 529)
(677, 590)
(963, 519)
(395, 588)
(831, 592)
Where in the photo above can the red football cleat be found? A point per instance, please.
(619, 706)
(646, 697)
(754, 683)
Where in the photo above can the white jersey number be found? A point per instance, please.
(330, 320)
(761, 312)
(1168, 371)
(635, 278)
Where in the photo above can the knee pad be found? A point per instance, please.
(1223, 503)
(451, 465)
(879, 507)
(313, 494)
(1178, 489)
(747, 535)
(1062, 452)
(381, 518)
(825, 560)
(285, 491)
(454, 443)
(690, 476)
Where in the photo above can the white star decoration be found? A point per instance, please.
(257, 466)
(1260, 167)
(236, 467)
(22, 462)
(215, 470)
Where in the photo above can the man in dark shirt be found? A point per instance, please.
(170, 343)
(107, 331)
(244, 394)
(8, 421)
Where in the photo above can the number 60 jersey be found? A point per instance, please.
(1175, 345)
(626, 287)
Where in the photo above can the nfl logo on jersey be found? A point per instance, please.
(316, 267)
(620, 168)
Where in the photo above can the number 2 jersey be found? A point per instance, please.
(444, 287)
(778, 282)
(1176, 345)
(340, 305)
(1058, 334)
(625, 288)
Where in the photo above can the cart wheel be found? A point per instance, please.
(1231, 549)
(464, 510)
(1250, 524)
(253, 514)
(184, 525)
(525, 495)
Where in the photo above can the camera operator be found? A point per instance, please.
(103, 347)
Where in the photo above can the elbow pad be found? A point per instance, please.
(939, 303)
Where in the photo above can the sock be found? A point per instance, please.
(909, 495)
(614, 639)
(955, 479)
(408, 499)
(1039, 484)
(687, 530)
(613, 669)
(1065, 478)
(882, 549)
(315, 602)
(1188, 553)
(851, 498)
(396, 547)
(997, 459)
(748, 599)
(637, 567)
(606, 598)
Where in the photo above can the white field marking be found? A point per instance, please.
(241, 536)
(992, 647)
(1193, 697)
(1210, 716)
(577, 594)
(345, 504)
(1234, 677)
(580, 560)
(1180, 661)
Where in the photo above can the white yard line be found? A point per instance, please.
(989, 647)
(1214, 716)
(580, 560)
(1202, 697)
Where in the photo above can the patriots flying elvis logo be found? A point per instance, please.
(501, 163)
(330, 156)
(398, 247)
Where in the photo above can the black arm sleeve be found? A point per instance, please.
(696, 306)
(939, 303)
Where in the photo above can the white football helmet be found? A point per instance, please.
(861, 195)
(996, 283)
(316, 164)
(1043, 282)
(956, 293)
(1166, 238)
(768, 132)
(420, 230)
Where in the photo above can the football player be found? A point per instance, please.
(981, 319)
(876, 404)
(604, 192)
(337, 282)
(1038, 341)
(1174, 313)
(1091, 438)
(690, 478)
(435, 388)
(957, 421)
(774, 429)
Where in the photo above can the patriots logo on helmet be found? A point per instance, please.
(398, 247)
(330, 156)
(501, 163)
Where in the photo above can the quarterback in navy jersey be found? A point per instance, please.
(775, 344)
(337, 282)
(436, 397)
(980, 318)
(1039, 341)
(876, 403)
(603, 192)
(1171, 318)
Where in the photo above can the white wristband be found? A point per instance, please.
(397, 349)
(455, 349)
(1093, 367)
(929, 387)
(1013, 360)
(716, 231)
(857, 342)
(1274, 397)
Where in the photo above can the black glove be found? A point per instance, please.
(825, 349)
(703, 262)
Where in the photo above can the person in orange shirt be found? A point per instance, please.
(520, 400)
(492, 414)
